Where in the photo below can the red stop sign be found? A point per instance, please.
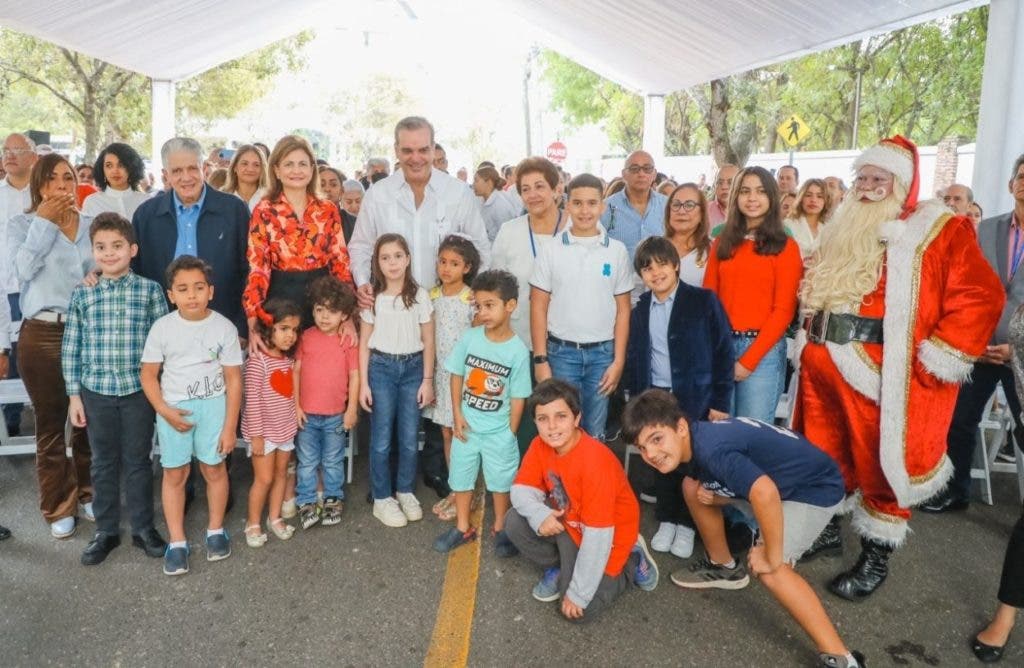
(556, 152)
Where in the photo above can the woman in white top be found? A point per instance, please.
(520, 239)
(117, 173)
(247, 175)
(686, 226)
(813, 206)
(498, 208)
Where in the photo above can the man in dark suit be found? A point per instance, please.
(194, 219)
(1002, 242)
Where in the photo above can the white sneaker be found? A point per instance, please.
(682, 545)
(663, 537)
(410, 506)
(86, 509)
(63, 528)
(388, 512)
(289, 509)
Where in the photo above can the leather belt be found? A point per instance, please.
(842, 328)
(573, 344)
(49, 316)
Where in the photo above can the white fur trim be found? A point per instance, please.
(944, 364)
(891, 230)
(889, 157)
(903, 260)
(891, 531)
(855, 370)
(850, 502)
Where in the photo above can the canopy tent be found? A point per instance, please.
(651, 46)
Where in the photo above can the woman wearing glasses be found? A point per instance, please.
(686, 226)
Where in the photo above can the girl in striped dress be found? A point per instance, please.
(268, 420)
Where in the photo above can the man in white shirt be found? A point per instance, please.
(723, 185)
(18, 158)
(424, 205)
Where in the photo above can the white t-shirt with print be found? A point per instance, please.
(193, 353)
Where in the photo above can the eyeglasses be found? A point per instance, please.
(688, 205)
(16, 151)
(636, 169)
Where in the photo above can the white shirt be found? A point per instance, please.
(583, 276)
(389, 206)
(396, 329)
(13, 202)
(123, 202)
(802, 235)
(498, 209)
(689, 272)
(193, 353)
(513, 253)
(254, 200)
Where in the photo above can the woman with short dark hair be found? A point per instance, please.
(118, 171)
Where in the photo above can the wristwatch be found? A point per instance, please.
(540, 359)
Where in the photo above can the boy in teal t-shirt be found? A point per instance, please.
(490, 369)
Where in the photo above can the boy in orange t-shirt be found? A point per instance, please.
(574, 513)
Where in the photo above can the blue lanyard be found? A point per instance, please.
(1018, 252)
(529, 228)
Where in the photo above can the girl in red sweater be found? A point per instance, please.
(755, 270)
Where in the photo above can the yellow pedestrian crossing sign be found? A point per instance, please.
(793, 130)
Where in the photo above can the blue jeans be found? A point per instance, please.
(321, 444)
(394, 381)
(584, 368)
(758, 395)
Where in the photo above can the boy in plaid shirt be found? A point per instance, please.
(101, 359)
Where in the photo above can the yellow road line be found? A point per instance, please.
(449, 644)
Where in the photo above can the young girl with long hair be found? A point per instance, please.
(268, 421)
(396, 372)
(813, 207)
(755, 270)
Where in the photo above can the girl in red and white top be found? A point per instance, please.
(755, 270)
(269, 421)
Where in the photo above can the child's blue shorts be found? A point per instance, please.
(499, 453)
(202, 441)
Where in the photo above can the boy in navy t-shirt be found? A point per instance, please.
(792, 487)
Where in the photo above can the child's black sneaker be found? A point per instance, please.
(503, 545)
(453, 538)
(333, 506)
(705, 574)
(309, 514)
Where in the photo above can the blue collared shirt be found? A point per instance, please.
(625, 223)
(188, 220)
(661, 365)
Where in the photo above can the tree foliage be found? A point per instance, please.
(46, 86)
(366, 115)
(923, 82)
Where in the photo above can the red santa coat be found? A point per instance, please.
(940, 302)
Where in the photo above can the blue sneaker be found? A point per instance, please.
(646, 576)
(176, 561)
(546, 590)
(503, 545)
(453, 538)
(218, 546)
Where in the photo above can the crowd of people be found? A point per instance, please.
(507, 318)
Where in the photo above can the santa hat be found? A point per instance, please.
(898, 155)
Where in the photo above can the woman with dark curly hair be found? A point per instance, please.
(117, 172)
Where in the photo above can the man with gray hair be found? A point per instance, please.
(352, 192)
(191, 218)
(374, 166)
(958, 197)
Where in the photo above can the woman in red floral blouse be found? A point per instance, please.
(286, 251)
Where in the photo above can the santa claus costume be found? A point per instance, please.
(889, 331)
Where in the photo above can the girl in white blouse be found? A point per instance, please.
(813, 205)
(247, 175)
(118, 171)
(686, 226)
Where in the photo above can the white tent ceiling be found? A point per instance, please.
(653, 46)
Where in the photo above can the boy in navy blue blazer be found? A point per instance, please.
(680, 340)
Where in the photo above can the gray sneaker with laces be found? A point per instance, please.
(705, 574)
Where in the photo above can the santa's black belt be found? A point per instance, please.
(842, 328)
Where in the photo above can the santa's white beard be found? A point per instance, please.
(848, 262)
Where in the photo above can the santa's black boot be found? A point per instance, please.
(867, 575)
(829, 542)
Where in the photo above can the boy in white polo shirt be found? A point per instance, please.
(580, 304)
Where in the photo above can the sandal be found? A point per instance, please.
(254, 537)
(281, 530)
(443, 506)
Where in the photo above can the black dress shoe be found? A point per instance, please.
(4, 532)
(99, 547)
(867, 575)
(828, 544)
(986, 653)
(439, 486)
(946, 501)
(151, 542)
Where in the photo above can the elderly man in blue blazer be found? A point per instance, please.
(194, 219)
(680, 340)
